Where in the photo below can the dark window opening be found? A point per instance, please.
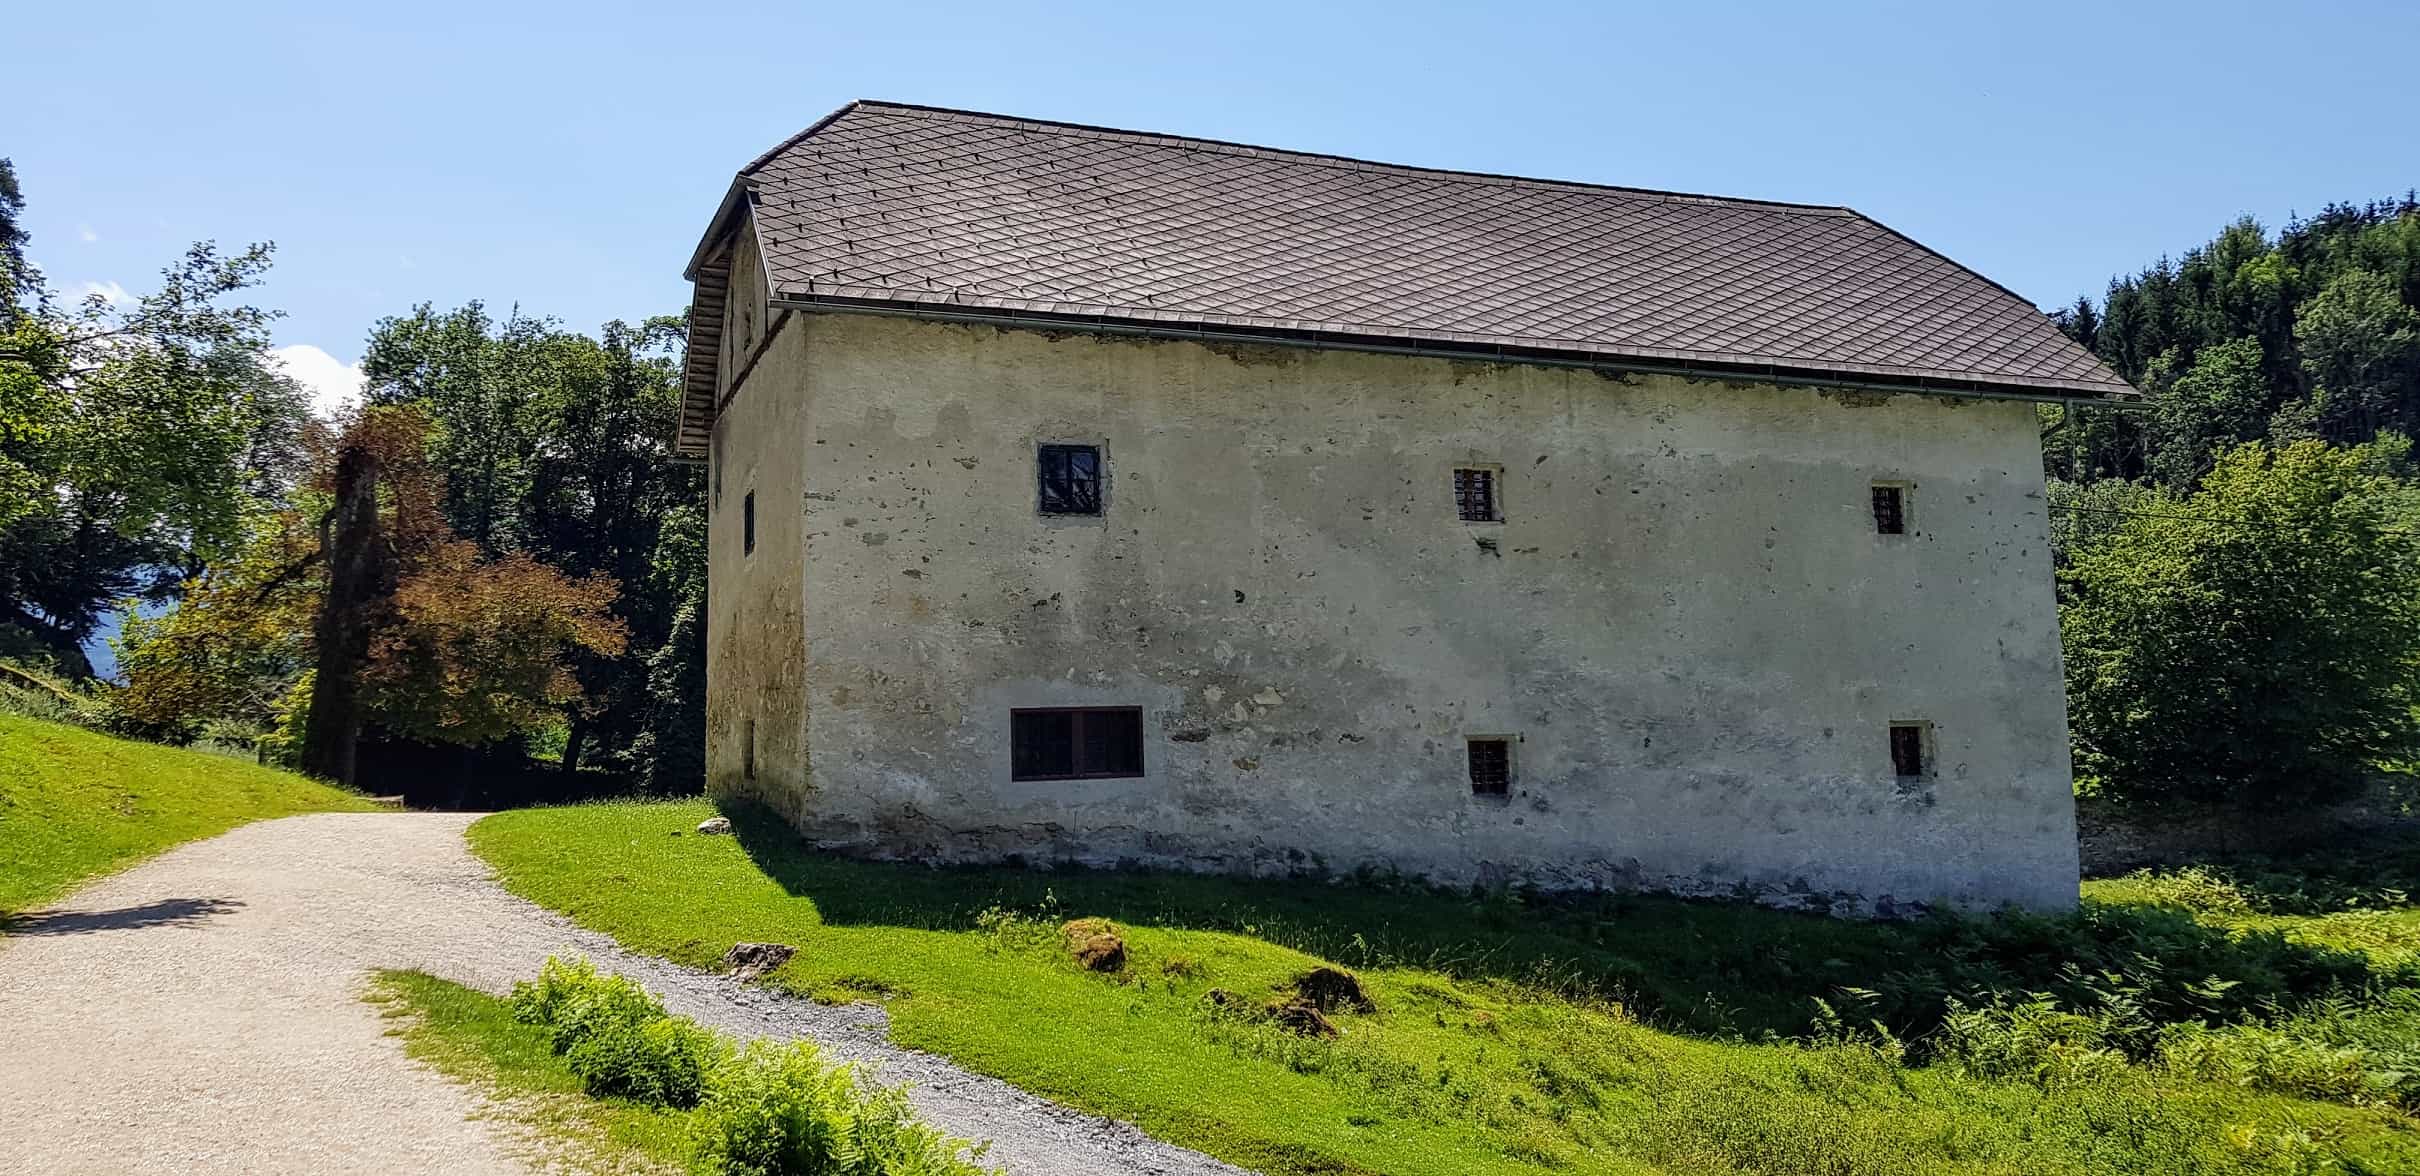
(747, 524)
(1490, 767)
(1069, 743)
(747, 751)
(1890, 510)
(1069, 477)
(1907, 750)
(1475, 495)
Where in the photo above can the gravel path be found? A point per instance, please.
(202, 1013)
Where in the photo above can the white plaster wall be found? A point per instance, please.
(1685, 617)
(755, 619)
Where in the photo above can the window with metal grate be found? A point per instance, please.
(1890, 510)
(1068, 479)
(1475, 494)
(1907, 750)
(1490, 767)
(1075, 743)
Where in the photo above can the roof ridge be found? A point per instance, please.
(1312, 158)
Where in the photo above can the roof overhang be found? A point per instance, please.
(1471, 350)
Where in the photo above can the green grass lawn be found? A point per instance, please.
(1628, 1034)
(472, 1037)
(74, 804)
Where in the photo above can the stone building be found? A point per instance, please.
(1080, 494)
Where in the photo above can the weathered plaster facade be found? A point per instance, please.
(1685, 618)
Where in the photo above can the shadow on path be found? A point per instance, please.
(167, 912)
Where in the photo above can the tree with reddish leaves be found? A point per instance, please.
(394, 620)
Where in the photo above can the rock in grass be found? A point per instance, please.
(1096, 944)
(747, 961)
(713, 825)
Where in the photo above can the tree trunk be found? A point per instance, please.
(574, 744)
(361, 579)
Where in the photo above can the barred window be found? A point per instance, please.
(1890, 510)
(1069, 479)
(1907, 750)
(1475, 494)
(1075, 743)
(1490, 767)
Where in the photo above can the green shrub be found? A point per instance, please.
(2132, 968)
(36, 691)
(2194, 888)
(767, 1110)
(617, 1037)
(778, 1110)
(2034, 1040)
(2260, 658)
(2358, 1052)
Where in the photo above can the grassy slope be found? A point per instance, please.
(2358, 895)
(74, 804)
(472, 1037)
(1470, 1066)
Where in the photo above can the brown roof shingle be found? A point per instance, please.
(963, 212)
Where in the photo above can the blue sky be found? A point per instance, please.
(565, 157)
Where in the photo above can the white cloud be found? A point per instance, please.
(85, 234)
(110, 292)
(333, 383)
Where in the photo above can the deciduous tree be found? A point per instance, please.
(2254, 643)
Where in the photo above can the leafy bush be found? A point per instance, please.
(2254, 643)
(2134, 969)
(2363, 1053)
(766, 1110)
(2373, 872)
(617, 1037)
(778, 1110)
(35, 691)
(2034, 1040)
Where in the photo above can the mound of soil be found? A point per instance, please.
(1330, 989)
(1301, 1017)
(1096, 944)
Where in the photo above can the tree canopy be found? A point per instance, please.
(2312, 332)
(133, 439)
(2254, 642)
(435, 641)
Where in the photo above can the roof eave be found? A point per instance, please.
(717, 228)
(1410, 343)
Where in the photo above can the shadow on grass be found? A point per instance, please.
(167, 912)
(1711, 968)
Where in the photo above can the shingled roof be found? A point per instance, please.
(954, 213)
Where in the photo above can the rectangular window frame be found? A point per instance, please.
(1902, 496)
(1072, 505)
(1490, 481)
(1911, 737)
(747, 524)
(1076, 752)
(1485, 789)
